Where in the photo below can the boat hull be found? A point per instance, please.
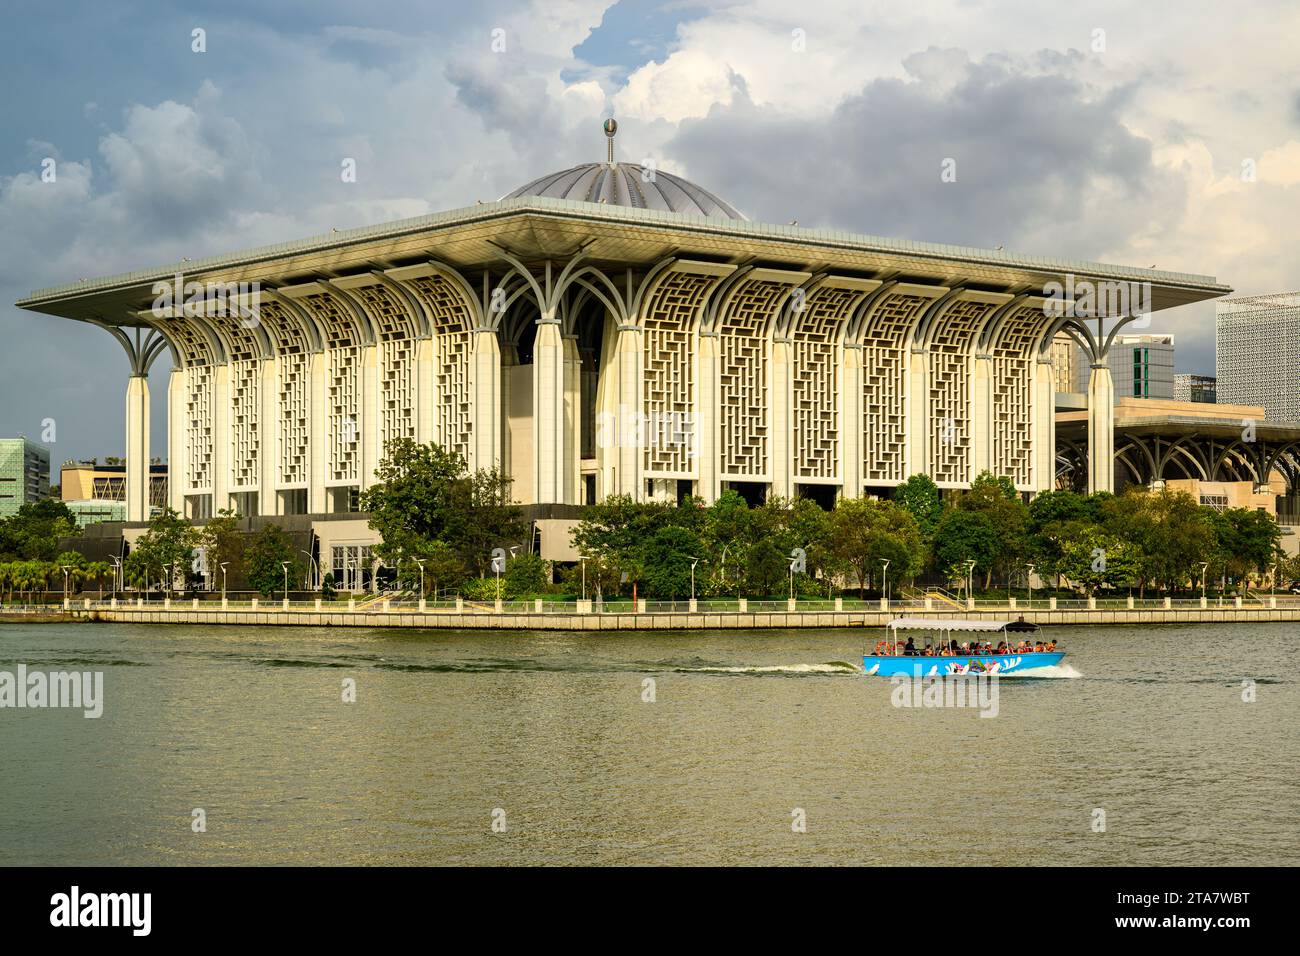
(1000, 664)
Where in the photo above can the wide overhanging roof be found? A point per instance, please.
(1187, 426)
(925, 624)
(539, 228)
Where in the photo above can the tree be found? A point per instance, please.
(425, 494)
(766, 566)
(964, 536)
(527, 575)
(1171, 531)
(1094, 558)
(34, 531)
(666, 559)
(222, 542)
(1245, 541)
(996, 498)
(167, 547)
(265, 558)
(864, 531)
(919, 497)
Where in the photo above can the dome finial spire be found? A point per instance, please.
(610, 126)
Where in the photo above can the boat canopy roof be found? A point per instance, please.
(944, 624)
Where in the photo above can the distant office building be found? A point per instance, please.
(91, 511)
(1066, 359)
(1258, 344)
(1195, 388)
(24, 474)
(91, 482)
(1141, 366)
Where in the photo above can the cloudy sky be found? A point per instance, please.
(1123, 132)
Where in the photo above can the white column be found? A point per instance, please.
(629, 437)
(548, 412)
(1101, 430)
(268, 436)
(488, 414)
(220, 437)
(981, 408)
(177, 466)
(918, 413)
(779, 402)
(425, 396)
(707, 415)
(318, 433)
(851, 422)
(369, 429)
(1044, 427)
(572, 457)
(137, 448)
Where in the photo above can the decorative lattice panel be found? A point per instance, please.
(668, 386)
(240, 342)
(283, 328)
(391, 317)
(743, 378)
(1014, 352)
(344, 413)
(198, 427)
(193, 344)
(949, 418)
(884, 386)
(245, 431)
(454, 350)
(396, 390)
(295, 422)
(338, 323)
(815, 382)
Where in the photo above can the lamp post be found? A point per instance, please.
(420, 562)
(117, 573)
(285, 565)
(223, 582)
(970, 572)
(694, 562)
(1204, 567)
(884, 580)
(65, 569)
(1029, 584)
(312, 571)
(584, 577)
(792, 564)
(171, 579)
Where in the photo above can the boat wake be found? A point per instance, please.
(1054, 672)
(833, 667)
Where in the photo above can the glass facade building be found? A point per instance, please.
(24, 474)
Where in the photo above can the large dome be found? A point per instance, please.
(628, 184)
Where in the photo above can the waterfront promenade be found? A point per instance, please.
(373, 611)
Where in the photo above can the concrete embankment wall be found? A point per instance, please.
(675, 621)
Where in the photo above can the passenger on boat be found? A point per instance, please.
(909, 649)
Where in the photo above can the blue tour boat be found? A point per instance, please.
(916, 664)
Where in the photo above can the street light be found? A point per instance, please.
(65, 584)
(420, 562)
(694, 562)
(117, 573)
(223, 582)
(1204, 567)
(884, 580)
(584, 578)
(970, 571)
(1029, 583)
(285, 565)
(312, 569)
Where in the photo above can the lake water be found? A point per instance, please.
(450, 727)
